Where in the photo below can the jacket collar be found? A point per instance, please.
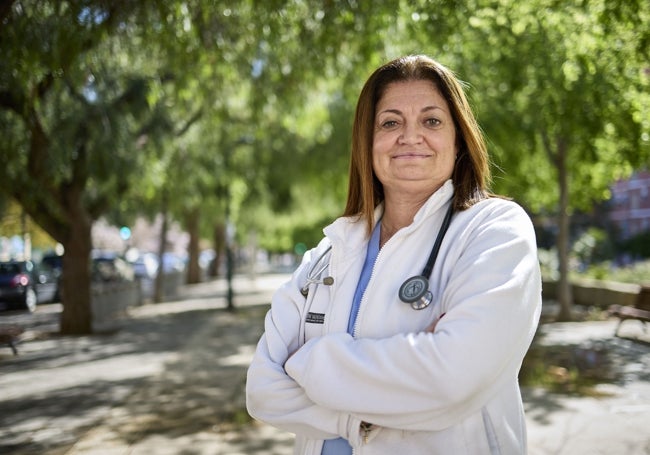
(352, 230)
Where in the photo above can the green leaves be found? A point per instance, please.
(148, 91)
(558, 73)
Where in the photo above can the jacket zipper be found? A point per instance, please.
(365, 426)
(363, 297)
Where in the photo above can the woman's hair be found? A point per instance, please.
(471, 172)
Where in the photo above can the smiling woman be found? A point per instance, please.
(356, 352)
(414, 148)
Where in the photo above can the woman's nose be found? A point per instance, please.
(411, 134)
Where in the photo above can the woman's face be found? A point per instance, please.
(414, 142)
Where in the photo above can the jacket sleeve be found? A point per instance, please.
(430, 381)
(271, 395)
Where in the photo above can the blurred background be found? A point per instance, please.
(204, 138)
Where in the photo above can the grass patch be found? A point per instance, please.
(567, 369)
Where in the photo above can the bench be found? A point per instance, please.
(640, 311)
(10, 335)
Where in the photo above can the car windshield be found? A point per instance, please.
(9, 268)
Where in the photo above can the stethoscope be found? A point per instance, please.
(313, 276)
(414, 291)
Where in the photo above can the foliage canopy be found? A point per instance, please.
(244, 110)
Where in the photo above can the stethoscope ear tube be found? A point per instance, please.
(313, 276)
(415, 290)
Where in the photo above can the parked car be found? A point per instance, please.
(172, 262)
(25, 285)
(110, 267)
(105, 267)
(54, 262)
(145, 266)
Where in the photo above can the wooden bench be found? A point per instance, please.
(10, 335)
(640, 311)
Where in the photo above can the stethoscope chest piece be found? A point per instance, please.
(415, 291)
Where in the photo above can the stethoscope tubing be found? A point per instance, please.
(414, 291)
(316, 270)
(428, 268)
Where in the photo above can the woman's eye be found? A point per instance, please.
(432, 122)
(389, 124)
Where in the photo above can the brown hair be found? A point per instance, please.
(471, 172)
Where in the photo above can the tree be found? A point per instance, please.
(563, 96)
(93, 97)
(73, 110)
(269, 91)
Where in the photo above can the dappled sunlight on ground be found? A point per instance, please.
(172, 381)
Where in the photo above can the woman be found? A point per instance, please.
(349, 364)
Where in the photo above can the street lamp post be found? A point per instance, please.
(230, 228)
(230, 266)
(229, 235)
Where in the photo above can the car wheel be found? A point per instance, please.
(30, 300)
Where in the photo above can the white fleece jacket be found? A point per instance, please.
(454, 391)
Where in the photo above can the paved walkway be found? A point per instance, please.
(171, 381)
(609, 418)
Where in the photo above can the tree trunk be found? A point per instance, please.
(158, 291)
(563, 239)
(192, 226)
(77, 317)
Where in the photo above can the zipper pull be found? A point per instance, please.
(366, 428)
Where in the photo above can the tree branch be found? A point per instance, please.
(548, 148)
(193, 119)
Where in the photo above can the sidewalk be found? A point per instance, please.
(614, 418)
(172, 380)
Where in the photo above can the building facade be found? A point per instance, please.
(629, 208)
